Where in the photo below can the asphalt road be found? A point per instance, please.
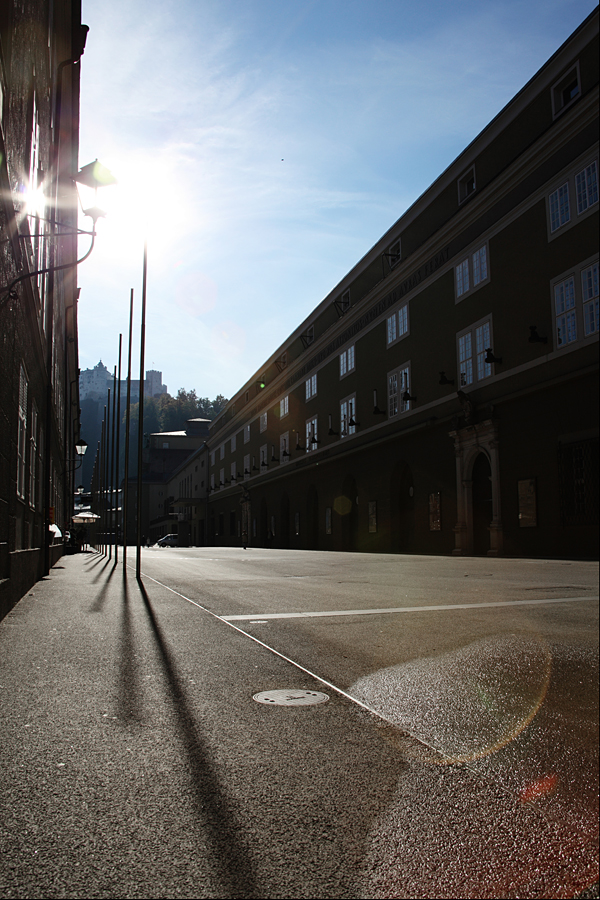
(456, 754)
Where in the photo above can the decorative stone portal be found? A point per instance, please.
(470, 443)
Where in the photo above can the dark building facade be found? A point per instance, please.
(442, 399)
(41, 43)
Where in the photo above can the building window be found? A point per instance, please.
(222, 478)
(578, 482)
(264, 462)
(575, 302)
(222, 451)
(328, 520)
(566, 91)
(22, 433)
(309, 336)
(347, 361)
(233, 472)
(312, 436)
(263, 422)
(472, 272)
(589, 293)
(33, 456)
(246, 433)
(212, 457)
(564, 307)
(560, 212)
(212, 481)
(284, 406)
(311, 387)
(284, 447)
(233, 443)
(398, 386)
(586, 184)
(395, 253)
(247, 467)
(473, 345)
(397, 325)
(466, 185)
(348, 416)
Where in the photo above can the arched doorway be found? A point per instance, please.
(481, 494)
(402, 509)
(478, 528)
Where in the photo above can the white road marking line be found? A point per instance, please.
(401, 609)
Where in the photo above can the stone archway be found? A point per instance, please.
(470, 443)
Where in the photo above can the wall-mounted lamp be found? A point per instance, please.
(444, 380)
(406, 398)
(254, 466)
(246, 471)
(534, 337)
(490, 358)
(331, 431)
(353, 423)
(376, 410)
(285, 453)
(298, 447)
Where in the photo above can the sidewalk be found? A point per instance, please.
(136, 764)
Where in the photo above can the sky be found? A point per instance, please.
(262, 147)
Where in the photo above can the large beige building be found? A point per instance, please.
(443, 397)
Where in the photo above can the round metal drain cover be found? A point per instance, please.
(290, 698)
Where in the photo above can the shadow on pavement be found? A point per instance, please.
(236, 875)
(129, 703)
(101, 597)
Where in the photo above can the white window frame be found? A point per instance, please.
(22, 433)
(310, 386)
(470, 354)
(579, 316)
(246, 433)
(222, 451)
(586, 187)
(284, 406)
(247, 470)
(463, 185)
(233, 443)
(398, 381)
(347, 361)
(559, 105)
(398, 325)
(233, 472)
(472, 271)
(263, 421)
(221, 479)
(212, 481)
(212, 457)
(312, 430)
(569, 186)
(284, 447)
(33, 456)
(347, 412)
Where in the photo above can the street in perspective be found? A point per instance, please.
(271, 723)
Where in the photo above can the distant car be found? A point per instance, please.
(169, 540)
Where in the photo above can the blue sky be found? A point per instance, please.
(263, 147)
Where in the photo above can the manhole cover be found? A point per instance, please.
(290, 698)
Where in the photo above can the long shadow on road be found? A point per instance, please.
(130, 705)
(212, 808)
(102, 593)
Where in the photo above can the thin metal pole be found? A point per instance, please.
(117, 452)
(112, 466)
(102, 467)
(138, 567)
(127, 425)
